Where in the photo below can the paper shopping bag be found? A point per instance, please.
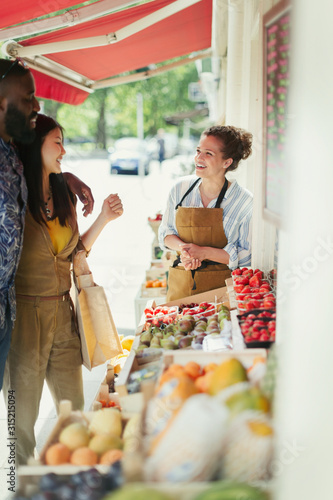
(98, 333)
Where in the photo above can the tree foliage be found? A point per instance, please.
(111, 113)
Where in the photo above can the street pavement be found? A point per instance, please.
(118, 261)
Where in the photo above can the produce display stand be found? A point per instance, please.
(132, 403)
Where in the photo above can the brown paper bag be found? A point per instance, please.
(99, 336)
(98, 332)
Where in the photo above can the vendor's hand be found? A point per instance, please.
(82, 191)
(192, 251)
(112, 207)
(190, 264)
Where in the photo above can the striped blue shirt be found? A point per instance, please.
(237, 217)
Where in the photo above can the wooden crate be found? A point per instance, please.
(129, 403)
(158, 291)
(29, 475)
(133, 364)
(183, 356)
(218, 295)
(231, 293)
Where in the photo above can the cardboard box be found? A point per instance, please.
(216, 295)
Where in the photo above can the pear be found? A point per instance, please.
(166, 335)
(199, 338)
(201, 325)
(188, 316)
(146, 337)
(222, 315)
(178, 338)
(213, 327)
(170, 328)
(74, 436)
(155, 342)
(141, 347)
(185, 342)
(222, 323)
(185, 325)
(168, 344)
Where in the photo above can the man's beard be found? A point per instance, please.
(18, 126)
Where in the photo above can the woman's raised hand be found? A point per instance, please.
(112, 207)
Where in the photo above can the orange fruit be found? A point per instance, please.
(193, 369)
(111, 456)
(180, 388)
(57, 454)
(176, 369)
(84, 456)
(202, 383)
(210, 367)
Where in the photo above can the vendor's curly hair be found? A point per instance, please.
(236, 143)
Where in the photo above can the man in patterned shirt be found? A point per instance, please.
(18, 112)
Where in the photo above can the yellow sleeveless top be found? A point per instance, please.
(60, 235)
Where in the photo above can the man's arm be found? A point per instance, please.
(82, 191)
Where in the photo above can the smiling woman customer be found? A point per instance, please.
(208, 218)
(45, 344)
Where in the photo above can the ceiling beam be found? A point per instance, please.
(14, 50)
(143, 75)
(68, 18)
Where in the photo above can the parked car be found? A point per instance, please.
(170, 144)
(129, 155)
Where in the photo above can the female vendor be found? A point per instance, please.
(208, 218)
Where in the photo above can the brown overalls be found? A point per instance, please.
(45, 344)
(203, 227)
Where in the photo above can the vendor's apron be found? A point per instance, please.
(203, 227)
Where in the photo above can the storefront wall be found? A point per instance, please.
(305, 401)
(238, 43)
(304, 410)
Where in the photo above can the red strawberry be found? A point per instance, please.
(255, 281)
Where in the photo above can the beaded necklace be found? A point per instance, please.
(46, 203)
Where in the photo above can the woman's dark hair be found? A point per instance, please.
(30, 154)
(236, 143)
